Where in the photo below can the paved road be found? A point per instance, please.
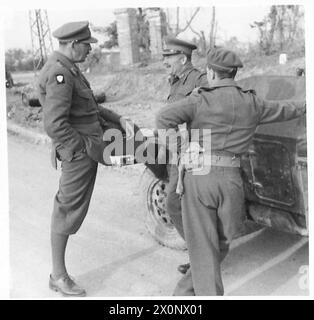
(113, 255)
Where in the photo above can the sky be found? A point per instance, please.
(232, 21)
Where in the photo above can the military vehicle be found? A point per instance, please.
(274, 171)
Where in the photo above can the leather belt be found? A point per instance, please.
(205, 160)
(225, 161)
(200, 162)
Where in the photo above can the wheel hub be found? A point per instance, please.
(157, 196)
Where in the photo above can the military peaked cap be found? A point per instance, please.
(177, 46)
(223, 60)
(74, 31)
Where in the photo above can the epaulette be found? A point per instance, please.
(72, 69)
(200, 89)
(249, 90)
(199, 72)
(60, 64)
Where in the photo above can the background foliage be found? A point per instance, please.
(281, 30)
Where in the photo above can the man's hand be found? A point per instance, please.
(128, 127)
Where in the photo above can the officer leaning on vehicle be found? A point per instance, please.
(183, 79)
(73, 120)
(213, 198)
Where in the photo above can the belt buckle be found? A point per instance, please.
(234, 159)
(195, 163)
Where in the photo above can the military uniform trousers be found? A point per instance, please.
(213, 214)
(173, 202)
(75, 190)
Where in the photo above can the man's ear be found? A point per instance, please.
(184, 59)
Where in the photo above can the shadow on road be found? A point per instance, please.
(265, 264)
(95, 280)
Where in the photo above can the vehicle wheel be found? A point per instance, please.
(157, 220)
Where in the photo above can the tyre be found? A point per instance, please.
(157, 221)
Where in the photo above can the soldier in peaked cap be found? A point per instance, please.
(74, 31)
(183, 79)
(226, 117)
(73, 121)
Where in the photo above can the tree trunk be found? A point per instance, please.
(203, 43)
(273, 20)
(295, 17)
(178, 21)
(212, 29)
(281, 27)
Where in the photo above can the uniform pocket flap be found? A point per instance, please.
(64, 154)
(85, 93)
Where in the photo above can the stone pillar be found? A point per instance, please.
(154, 19)
(127, 35)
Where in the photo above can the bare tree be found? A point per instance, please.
(279, 29)
(178, 21)
(202, 40)
(212, 29)
(294, 21)
(177, 29)
(201, 34)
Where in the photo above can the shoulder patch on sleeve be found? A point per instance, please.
(60, 78)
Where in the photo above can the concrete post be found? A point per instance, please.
(127, 35)
(154, 19)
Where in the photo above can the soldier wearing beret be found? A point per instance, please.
(183, 79)
(213, 199)
(73, 121)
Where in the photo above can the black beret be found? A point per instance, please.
(223, 60)
(72, 31)
(177, 46)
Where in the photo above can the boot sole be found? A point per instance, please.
(57, 289)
